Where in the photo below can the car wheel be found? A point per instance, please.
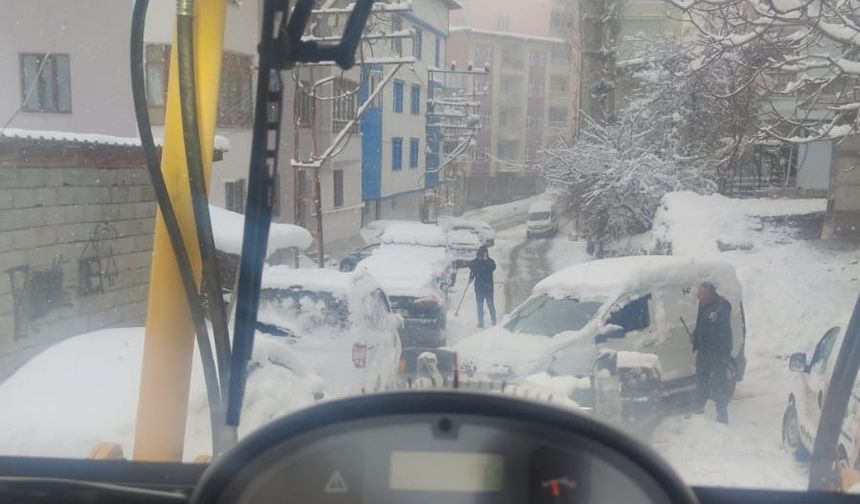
(791, 431)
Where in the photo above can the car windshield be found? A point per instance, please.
(672, 182)
(538, 216)
(547, 316)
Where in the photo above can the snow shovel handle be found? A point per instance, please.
(457, 311)
(686, 328)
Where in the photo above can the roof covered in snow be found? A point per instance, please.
(616, 276)
(463, 237)
(229, 228)
(405, 270)
(494, 33)
(540, 206)
(221, 143)
(315, 280)
(414, 233)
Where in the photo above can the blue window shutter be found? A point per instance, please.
(413, 153)
(398, 96)
(416, 99)
(397, 153)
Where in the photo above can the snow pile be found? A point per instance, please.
(371, 233)
(695, 224)
(229, 228)
(561, 385)
(84, 391)
(414, 233)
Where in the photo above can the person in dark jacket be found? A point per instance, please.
(712, 342)
(482, 268)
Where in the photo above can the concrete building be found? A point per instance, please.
(394, 129)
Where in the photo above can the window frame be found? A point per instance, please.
(414, 150)
(415, 99)
(396, 153)
(398, 96)
(238, 89)
(337, 188)
(43, 62)
(417, 42)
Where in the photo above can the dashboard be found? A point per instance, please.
(408, 447)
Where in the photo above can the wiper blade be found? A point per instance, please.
(12, 486)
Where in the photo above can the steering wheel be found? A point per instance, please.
(439, 446)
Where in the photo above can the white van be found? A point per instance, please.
(632, 305)
(542, 219)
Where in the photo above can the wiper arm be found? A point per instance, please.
(13, 486)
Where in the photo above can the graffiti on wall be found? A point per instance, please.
(97, 269)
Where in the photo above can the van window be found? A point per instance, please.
(633, 316)
(538, 216)
(823, 350)
(548, 316)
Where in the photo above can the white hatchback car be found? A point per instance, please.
(339, 323)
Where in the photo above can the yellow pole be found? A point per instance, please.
(169, 345)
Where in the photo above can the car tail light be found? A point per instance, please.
(359, 355)
(402, 366)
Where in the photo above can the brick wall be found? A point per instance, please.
(75, 242)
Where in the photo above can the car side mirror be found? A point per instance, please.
(797, 362)
(610, 331)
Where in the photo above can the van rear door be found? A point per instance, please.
(672, 304)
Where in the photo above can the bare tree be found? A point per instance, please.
(810, 59)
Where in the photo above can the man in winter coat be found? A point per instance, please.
(482, 268)
(712, 342)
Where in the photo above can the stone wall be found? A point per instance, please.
(75, 242)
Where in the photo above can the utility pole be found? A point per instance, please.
(455, 118)
(316, 160)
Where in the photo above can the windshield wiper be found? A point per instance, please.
(22, 486)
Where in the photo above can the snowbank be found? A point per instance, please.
(84, 391)
(694, 224)
(229, 227)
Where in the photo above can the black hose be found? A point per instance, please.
(199, 195)
(162, 196)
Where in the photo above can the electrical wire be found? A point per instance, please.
(171, 223)
(199, 195)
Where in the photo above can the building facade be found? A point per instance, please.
(394, 129)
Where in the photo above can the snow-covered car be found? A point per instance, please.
(339, 323)
(485, 232)
(355, 256)
(84, 391)
(372, 232)
(416, 280)
(463, 246)
(813, 372)
(542, 219)
(630, 304)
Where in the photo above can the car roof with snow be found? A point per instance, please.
(228, 229)
(335, 282)
(463, 237)
(414, 233)
(400, 270)
(616, 276)
(540, 206)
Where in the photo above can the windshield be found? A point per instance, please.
(548, 316)
(690, 164)
(538, 216)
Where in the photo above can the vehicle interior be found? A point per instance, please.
(438, 445)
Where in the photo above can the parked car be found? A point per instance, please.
(355, 256)
(463, 246)
(485, 232)
(803, 411)
(372, 232)
(542, 219)
(632, 305)
(339, 323)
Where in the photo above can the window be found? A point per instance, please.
(547, 316)
(507, 150)
(559, 84)
(337, 176)
(396, 26)
(503, 118)
(480, 153)
(558, 115)
(397, 153)
(537, 57)
(417, 43)
(46, 83)
(503, 23)
(560, 54)
(306, 104)
(507, 85)
(156, 68)
(235, 101)
(437, 54)
(345, 105)
(482, 54)
(534, 121)
(633, 316)
(235, 195)
(276, 195)
(413, 153)
(535, 88)
(375, 81)
(398, 96)
(823, 350)
(415, 105)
